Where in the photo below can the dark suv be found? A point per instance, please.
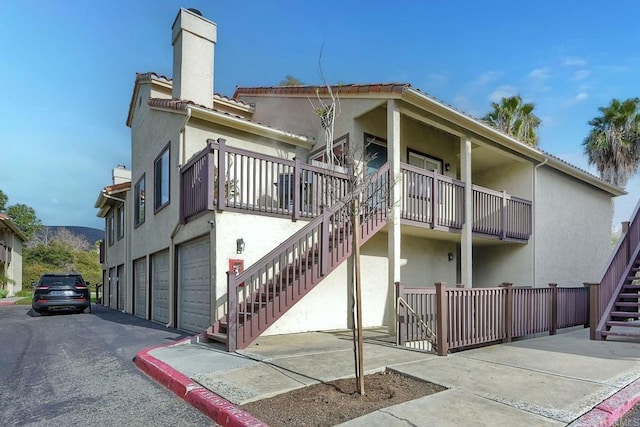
(61, 291)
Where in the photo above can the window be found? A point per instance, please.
(340, 155)
(375, 152)
(161, 179)
(120, 221)
(110, 231)
(139, 202)
(424, 161)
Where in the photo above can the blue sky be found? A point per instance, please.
(67, 70)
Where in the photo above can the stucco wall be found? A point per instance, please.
(15, 267)
(326, 307)
(493, 265)
(516, 178)
(425, 261)
(573, 230)
(261, 234)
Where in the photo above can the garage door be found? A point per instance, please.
(113, 288)
(194, 286)
(140, 286)
(160, 287)
(122, 288)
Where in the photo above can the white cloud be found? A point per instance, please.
(580, 75)
(487, 77)
(502, 91)
(578, 98)
(540, 74)
(574, 62)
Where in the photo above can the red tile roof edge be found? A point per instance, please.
(312, 90)
(118, 187)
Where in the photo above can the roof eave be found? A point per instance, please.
(419, 99)
(14, 228)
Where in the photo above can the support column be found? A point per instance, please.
(393, 243)
(466, 243)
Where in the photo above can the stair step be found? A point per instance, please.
(620, 334)
(627, 304)
(623, 324)
(624, 314)
(631, 286)
(629, 295)
(217, 336)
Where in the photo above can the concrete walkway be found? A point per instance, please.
(550, 380)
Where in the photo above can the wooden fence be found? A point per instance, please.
(441, 319)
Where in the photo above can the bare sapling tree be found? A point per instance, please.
(368, 197)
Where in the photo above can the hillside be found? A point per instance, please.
(91, 234)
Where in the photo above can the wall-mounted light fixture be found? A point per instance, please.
(239, 246)
(447, 166)
(450, 256)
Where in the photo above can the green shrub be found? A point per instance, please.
(3, 293)
(23, 293)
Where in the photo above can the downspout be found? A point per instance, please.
(172, 246)
(127, 240)
(533, 214)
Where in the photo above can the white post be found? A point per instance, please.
(393, 154)
(466, 242)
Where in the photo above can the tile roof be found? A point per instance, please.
(312, 90)
(118, 187)
(180, 105)
(384, 88)
(148, 76)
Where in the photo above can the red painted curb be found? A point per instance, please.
(215, 407)
(4, 303)
(612, 409)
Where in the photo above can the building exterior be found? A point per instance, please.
(11, 243)
(242, 185)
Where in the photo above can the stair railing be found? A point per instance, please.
(260, 294)
(618, 266)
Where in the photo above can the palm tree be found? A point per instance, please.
(515, 118)
(613, 144)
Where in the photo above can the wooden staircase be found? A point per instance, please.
(260, 295)
(623, 311)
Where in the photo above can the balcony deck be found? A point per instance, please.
(266, 185)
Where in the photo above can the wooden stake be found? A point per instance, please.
(356, 262)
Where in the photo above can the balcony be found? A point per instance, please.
(265, 185)
(432, 200)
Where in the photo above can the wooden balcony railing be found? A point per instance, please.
(257, 183)
(269, 185)
(438, 201)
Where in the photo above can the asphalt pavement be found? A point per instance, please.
(77, 369)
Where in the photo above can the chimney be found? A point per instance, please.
(120, 174)
(193, 40)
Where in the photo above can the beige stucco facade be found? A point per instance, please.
(11, 242)
(571, 210)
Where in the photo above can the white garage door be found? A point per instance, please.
(122, 288)
(194, 285)
(140, 287)
(113, 288)
(160, 287)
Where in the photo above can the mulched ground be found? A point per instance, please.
(335, 402)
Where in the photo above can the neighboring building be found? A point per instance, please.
(239, 184)
(112, 203)
(11, 243)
